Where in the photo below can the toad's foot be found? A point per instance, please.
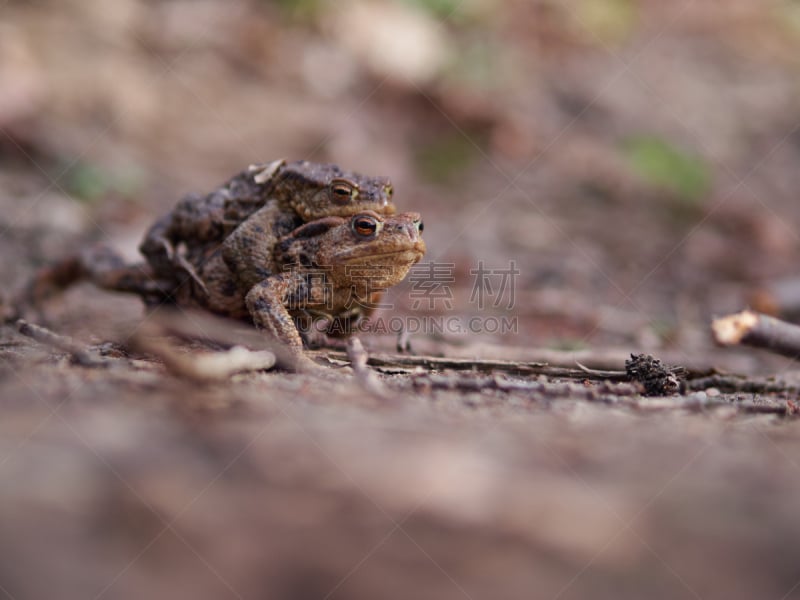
(266, 302)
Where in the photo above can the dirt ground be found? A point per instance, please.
(596, 177)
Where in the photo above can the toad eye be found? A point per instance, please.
(388, 190)
(342, 191)
(365, 226)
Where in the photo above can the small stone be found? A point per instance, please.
(700, 397)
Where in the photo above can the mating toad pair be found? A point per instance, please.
(276, 243)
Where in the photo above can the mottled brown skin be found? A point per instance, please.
(332, 268)
(263, 203)
(230, 251)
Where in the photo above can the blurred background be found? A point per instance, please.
(637, 160)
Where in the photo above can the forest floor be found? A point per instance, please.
(487, 462)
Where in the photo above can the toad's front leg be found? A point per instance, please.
(267, 302)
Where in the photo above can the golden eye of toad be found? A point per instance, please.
(365, 226)
(342, 192)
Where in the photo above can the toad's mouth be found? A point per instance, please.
(392, 257)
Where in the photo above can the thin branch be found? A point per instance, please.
(199, 325)
(365, 376)
(204, 366)
(436, 363)
(544, 389)
(759, 331)
(738, 383)
(604, 374)
(79, 353)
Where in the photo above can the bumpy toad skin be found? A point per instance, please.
(332, 268)
(264, 203)
(246, 251)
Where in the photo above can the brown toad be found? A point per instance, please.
(333, 268)
(257, 206)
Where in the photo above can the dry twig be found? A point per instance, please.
(151, 337)
(738, 383)
(205, 366)
(79, 353)
(603, 373)
(607, 392)
(760, 331)
(437, 363)
(196, 325)
(365, 376)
